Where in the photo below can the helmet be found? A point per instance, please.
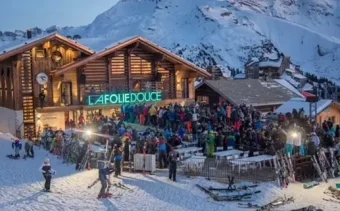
(47, 160)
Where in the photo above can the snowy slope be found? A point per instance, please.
(226, 32)
(21, 184)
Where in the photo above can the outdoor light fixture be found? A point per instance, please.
(56, 56)
(88, 132)
(294, 134)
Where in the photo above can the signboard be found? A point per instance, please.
(123, 98)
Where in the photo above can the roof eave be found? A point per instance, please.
(27, 46)
(201, 72)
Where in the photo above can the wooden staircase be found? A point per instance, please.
(27, 93)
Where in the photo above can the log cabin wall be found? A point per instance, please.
(42, 62)
(6, 85)
(119, 69)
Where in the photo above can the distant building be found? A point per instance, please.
(270, 68)
(263, 95)
(325, 109)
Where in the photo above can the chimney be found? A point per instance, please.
(29, 33)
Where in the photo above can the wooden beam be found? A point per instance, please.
(17, 82)
(109, 71)
(9, 88)
(3, 93)
(159, 58)
(128, 69)
(132, 47)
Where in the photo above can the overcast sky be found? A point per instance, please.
(24, 14)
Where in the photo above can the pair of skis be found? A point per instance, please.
(324, 164)
(217, 197)
(273, 204)
(331, 200)
(281, 171)
(322, 174)
(122, 186)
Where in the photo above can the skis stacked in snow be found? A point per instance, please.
(334, 163)
(276, 203)
(324, 164)
(310, 184)
(322, 175)
(281, 171)
(273, 204)
(245, 187)
(331, 200)
(224, 197)
(333, 192)
(309, 208)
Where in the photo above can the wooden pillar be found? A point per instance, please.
(128, 69)
(3, 85)
(172, 85)
(109, 71)
(16, 65)
(9, 88)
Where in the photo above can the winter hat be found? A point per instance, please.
(47, 161)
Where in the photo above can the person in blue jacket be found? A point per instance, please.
(162, 149)
(167, 134)
(17, 145)
(117, 158)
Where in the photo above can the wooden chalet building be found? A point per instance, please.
(63, 75)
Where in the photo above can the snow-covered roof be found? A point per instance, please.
(290, 80)
(299, 76)
(298, 103)
(16, 47)
(240, 76)
(290, 70)
(251, 91)
(252, 61)
(271, 63)
(8, 46)
(307, 87)
(286, 84)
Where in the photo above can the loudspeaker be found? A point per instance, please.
(82, 79)
(311, 99)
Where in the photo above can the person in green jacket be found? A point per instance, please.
(211, 144)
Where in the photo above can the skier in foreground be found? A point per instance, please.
(29, 152)
(47, 172)
(16, 145)
(105, 181)
(173, 158)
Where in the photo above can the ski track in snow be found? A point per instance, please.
(21, 185)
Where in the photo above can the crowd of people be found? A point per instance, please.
(210, 127)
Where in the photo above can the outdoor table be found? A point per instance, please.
(189, 144)
(188, 150)
(224, 154)
(256, 159)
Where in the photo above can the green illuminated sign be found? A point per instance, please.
(122, 98)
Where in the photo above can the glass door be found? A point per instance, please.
(66, 93)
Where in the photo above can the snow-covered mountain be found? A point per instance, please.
(226, 32)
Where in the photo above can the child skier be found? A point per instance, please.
(173, 158)
(47, 172)
(16, 145)
(105, 181)
(29, 149)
